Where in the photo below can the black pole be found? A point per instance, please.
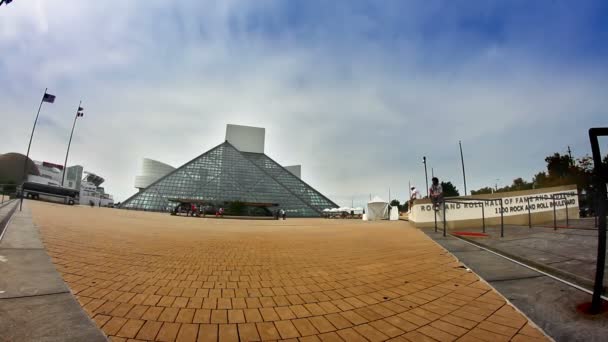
(502, 220)
(554, 214)
(444, 219)
(435, 211)
(567, 217)
(600, 185)
(65, 164)
(529, 213)
(426, 176)
(27, 156)
(464, 175)
(483, 216)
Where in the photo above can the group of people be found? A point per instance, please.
(435, 193)
(280, 213)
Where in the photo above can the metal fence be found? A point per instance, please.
(553, 197)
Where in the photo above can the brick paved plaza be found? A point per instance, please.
(151, 276)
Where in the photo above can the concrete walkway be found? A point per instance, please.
(35, 303)
(549, 303)
(566, 252)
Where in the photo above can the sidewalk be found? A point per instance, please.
(35, 303)
(566, 252)
(552, 305)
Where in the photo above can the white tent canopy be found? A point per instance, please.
(377, 209)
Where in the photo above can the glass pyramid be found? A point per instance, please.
(225, 174)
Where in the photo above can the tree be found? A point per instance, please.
(559, 165)
(396, 203)
(482, 191)
(449, 190)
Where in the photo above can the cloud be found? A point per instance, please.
(355, 91)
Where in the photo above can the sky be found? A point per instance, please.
(355, 91)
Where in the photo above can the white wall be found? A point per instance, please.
(245, 138)
(513, 205)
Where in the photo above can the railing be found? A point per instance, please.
(553, 197)
(483, 216)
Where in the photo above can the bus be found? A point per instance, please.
(51, 193)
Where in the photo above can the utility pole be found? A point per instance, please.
(570, 154)
(426, 176)
(464, 175)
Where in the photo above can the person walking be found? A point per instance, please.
(414, 195)
(436, 193)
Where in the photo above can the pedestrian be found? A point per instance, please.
(414, 195)
(436, 193)
(284, 214)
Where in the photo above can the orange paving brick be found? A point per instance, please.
(168, 332)
(187, 333)
(149, 330)
(248, 332)
(207, 333)
(228, 333)
(154, 277)
(268, 331)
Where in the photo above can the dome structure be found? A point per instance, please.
(11, 168)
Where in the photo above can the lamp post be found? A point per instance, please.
(464, 175)
(45, 98)
(426, 176)
(79, 113)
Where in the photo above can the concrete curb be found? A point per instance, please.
(573, 278)
(35, 302)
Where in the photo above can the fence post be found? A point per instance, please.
(444, 220)
(554, 213)
(567, 217)
(529, 213)
(502, 220)
(435, 212)
(483, 216)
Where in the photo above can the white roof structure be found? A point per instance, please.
(377, 209)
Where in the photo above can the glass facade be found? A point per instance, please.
(224, 174)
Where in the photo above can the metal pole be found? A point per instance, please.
(435, 211)
(444, 220)
(567, 218)
(502, 220)
(464, 175)
(529, 214)
(600, 183)
(65, 164)
(554, 214)
(483, 216)
(27, 156)
(426, 176)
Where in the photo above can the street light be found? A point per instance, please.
(79, 114)
(426, 176)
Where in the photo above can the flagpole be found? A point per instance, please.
(27, 156)
(65, 164)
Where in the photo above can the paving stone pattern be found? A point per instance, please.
(150, 276)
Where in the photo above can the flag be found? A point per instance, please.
(48, 98)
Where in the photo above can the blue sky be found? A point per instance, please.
(356, 91)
